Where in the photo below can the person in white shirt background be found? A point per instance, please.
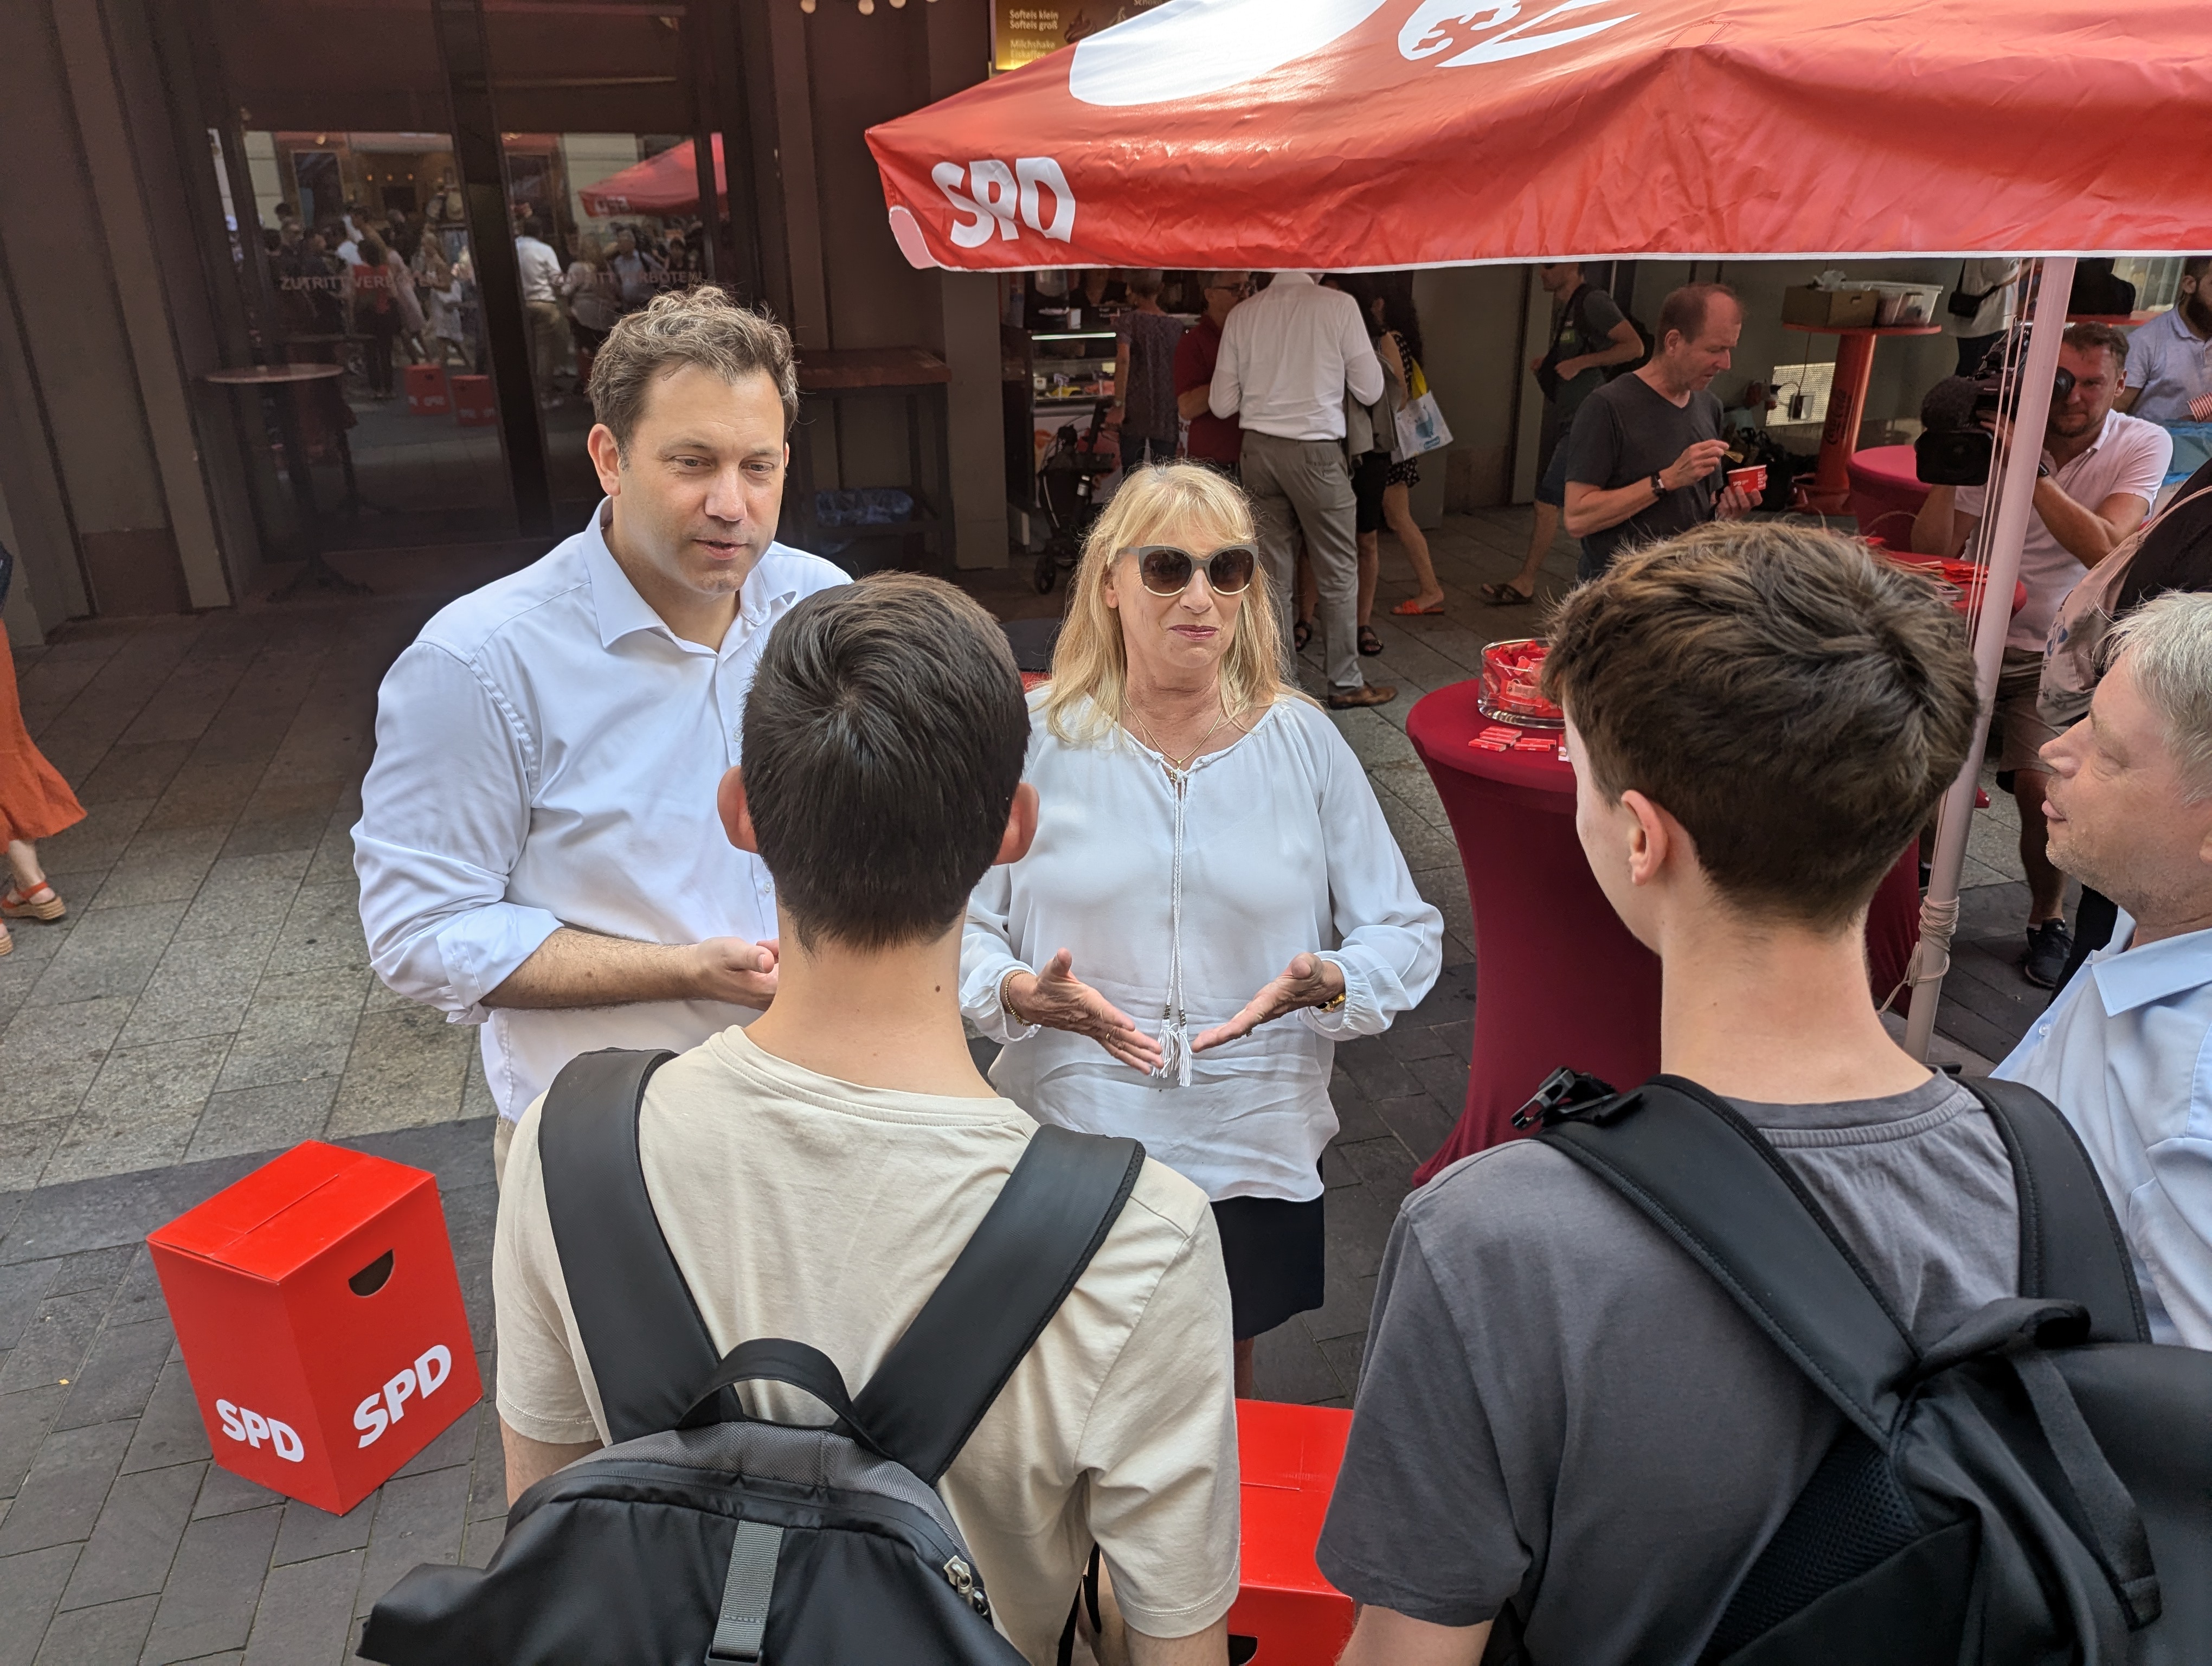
(539, 850)
(1287, 357)
(2099, 474)
(1211, 858)
(2126, 1051)
(542, 281)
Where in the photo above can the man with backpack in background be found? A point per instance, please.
(1589, 336)
(2125, 1049)
(1563, 1420)
(816, 1174)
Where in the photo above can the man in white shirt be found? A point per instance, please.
(2099, 474)
(1287, 356)
(2126, 1050)
(1988, 285)
(2169, 376)
(816, 1174)
(541, 274)
(537, 849)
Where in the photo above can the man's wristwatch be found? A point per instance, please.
(1658, 484)
(2042, 470)
(1335, 1002)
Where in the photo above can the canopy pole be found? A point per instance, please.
(1939, 910)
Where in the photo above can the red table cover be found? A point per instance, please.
(1560, 980)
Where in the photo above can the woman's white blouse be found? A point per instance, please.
(1284, 852)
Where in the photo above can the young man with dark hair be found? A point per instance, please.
(1588, 332)
(2099, 474)
(1645, 455)
(2169, 368)
(816, 1173)
(1560, 1412)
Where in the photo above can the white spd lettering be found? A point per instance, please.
(1438, 26)
(251, 1428)
(992, 196)
(385, 1407)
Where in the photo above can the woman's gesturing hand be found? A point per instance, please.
(1058, 1000)
(1307, 980)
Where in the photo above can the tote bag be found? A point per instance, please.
(1420, 424)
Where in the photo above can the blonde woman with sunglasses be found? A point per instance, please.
(1212, 899)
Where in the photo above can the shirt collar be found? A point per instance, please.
(1306, 278)
(2130, 977)
(622, 611)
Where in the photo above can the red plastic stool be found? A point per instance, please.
(425, 390)
(473, 405)
(1288, 1457)
(321, 1322)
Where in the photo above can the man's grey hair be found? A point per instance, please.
(2167, 642)
(703, 327)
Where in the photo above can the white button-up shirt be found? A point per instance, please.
(2126, 1052)
(1287, 355)
(540, 270)
(547, 754)
(1284, 851)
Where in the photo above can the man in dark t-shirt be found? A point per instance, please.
(1644, 456)
(1215, 440)
(1560, 1414)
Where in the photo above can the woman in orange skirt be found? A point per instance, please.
(35, 803)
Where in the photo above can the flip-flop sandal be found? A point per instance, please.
(1301, 634)
(38, 902)
(1505, 595)
(1414, 610)
(1370, 643)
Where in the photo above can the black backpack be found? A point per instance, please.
(703, 1535)
(2036, 1488)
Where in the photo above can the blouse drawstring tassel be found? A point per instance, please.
(1174, 1028)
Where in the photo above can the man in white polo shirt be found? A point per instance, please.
(2099, 474)
(538, 849)
(1287, 356)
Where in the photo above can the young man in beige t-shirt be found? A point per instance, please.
(816, 1174)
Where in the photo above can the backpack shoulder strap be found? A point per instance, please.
(1706, 1178)
(2071, 1248)
(648, 1346)
(941, 1375)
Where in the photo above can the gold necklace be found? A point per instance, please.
(1179, 766)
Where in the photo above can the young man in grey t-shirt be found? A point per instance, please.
(1561, 1414)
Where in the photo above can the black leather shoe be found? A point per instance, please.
(2049, 945)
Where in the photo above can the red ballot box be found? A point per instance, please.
(1289, 1457)
(473, 405)
(321, 1322)
(426, 389)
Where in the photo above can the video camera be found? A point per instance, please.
(1955, 447)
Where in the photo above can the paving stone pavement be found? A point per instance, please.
(207, 1003)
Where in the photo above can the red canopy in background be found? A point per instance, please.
(665, 184)
(1338, 134)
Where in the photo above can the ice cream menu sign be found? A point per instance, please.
(1024, 29)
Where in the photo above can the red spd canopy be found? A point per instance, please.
(1339, 133)
(665, 184)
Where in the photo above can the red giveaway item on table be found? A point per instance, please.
(474, 405)
(321, 1322)
(1534, 743)
(1511, 675)
(1287, 1458)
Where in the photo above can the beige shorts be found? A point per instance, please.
(2017, 729)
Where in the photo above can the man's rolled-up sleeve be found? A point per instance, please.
(444, 810)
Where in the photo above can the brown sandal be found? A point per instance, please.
(38, 902)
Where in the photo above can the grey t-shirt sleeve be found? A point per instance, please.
(1601, 312)
(1594, 445)
(1419, 1522)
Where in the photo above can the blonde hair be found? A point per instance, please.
(1155, 504)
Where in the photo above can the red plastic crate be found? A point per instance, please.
(321, 1322)
(1289, 1457)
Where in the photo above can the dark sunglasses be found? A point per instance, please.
(1165, 570)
